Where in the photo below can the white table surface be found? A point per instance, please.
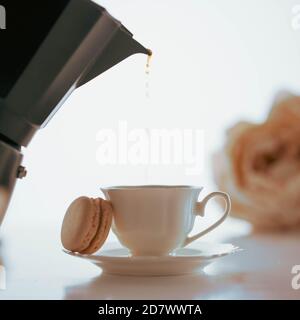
(36, 268)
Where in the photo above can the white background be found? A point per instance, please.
(214, 63)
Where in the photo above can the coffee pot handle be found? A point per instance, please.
(200, 210)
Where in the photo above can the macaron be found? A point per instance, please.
(86, 225)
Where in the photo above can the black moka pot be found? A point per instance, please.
(48, 49)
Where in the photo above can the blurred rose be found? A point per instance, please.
(260, 168)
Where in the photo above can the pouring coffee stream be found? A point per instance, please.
(147, 95)
(147, 84)
(149, 57)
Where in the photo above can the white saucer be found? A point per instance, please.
(183, 261)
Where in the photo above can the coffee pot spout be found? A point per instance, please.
(121, 46)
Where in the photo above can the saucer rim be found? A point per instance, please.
(103, 257)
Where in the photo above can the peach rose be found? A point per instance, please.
(260, 168)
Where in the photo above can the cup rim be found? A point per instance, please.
(151, 186)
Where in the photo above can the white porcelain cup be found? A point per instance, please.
(155, 220)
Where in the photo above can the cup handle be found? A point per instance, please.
(200, 209)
